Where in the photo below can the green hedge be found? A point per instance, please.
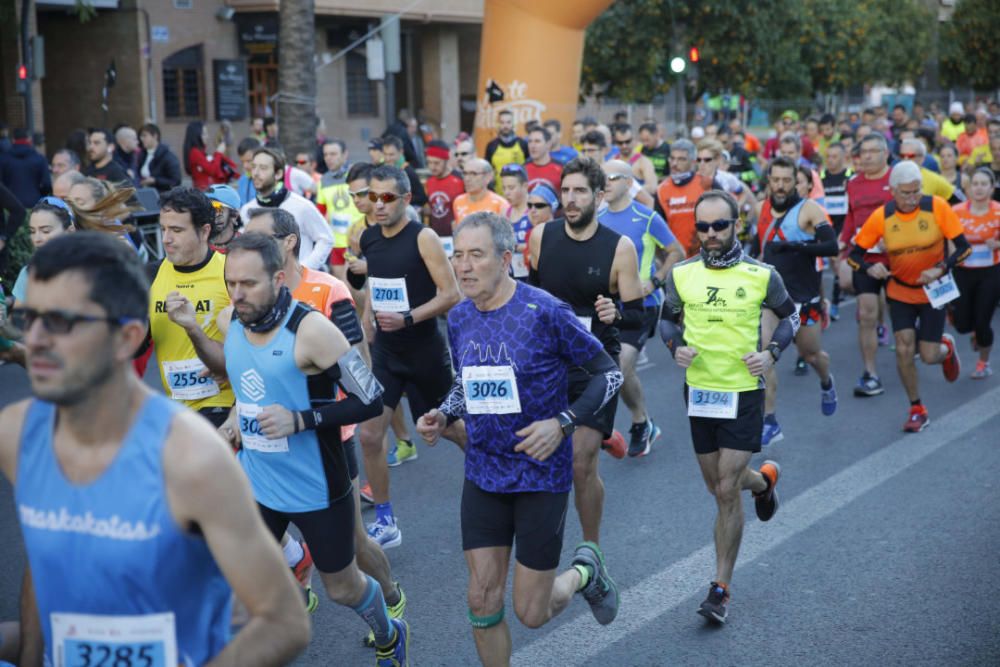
(18, 253)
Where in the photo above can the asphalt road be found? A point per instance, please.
(886, 549)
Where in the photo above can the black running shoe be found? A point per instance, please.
(766, 502)
(639, 439)
(800, 367)
(714, 606)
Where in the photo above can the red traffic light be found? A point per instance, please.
(693, 54)
(22, 73)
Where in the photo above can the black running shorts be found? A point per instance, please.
(423, 372)
(923, 317)
(865, 284)
(637, 337)
(328, 532)
(743, 433)
(604, 420)
(536, 520)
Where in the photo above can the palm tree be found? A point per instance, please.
(297, 76)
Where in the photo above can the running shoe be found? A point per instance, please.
(366, 494)
(982, 371)
(303, 570)
(395, 611)
(869, 385)
(642, 438)
(884, 338)
(801, 367)
(601, 592)
(615, 445)
(395, 654)
(918, 419)
(771, 434)
(385, 532)
(405, 451)
(834, 312)
(828, 398)
(714, 606)
(312, 600)
(392, 458)
(766, 502)
(952, 365)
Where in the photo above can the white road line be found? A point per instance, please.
(582, 638)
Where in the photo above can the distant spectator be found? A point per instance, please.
(158, 166)
(205, 169)
(127, 152)
(24, 172)
(100, 152)
(63, 160)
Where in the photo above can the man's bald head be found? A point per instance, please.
(617, 167)
(619, 177)
(61, 186)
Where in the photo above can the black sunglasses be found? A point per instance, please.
(716, 225)
(537, 205)
(57, 321)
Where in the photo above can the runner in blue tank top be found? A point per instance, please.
(142, 492)
(287, 363)
(513, 347)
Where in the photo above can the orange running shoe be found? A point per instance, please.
(615, 445)
(918, 419)
(951, 366)
(303, 570)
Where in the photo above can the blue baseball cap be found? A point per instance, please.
(225, 195)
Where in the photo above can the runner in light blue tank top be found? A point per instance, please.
(132, 570)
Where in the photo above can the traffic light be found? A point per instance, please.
(678, 65)
(21, 83)
(694, 55)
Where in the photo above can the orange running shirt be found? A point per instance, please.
(914, 242)
(320, 291)
(978, 230)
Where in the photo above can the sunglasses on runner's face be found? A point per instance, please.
(56, 321)
(359, 194)
(537, 205)
(385, 197)
(908, 156)
(462, 153)
(616, 177)
(717, 225)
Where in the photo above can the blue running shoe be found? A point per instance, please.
(828, 400)
(392, 458)
(772, 433)
(385, 532)
(395, 655)
(834, 311)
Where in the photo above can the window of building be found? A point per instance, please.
(362, 92)
(183, 85)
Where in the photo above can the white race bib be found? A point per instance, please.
(585, 321)
(490, 390)
(518, 265)
(184, 381)
(981, 257)
(715, 404)
(80, 640)
(941, 291)
(449, 245)
(389, 295)
(250, 433)
(836, 204)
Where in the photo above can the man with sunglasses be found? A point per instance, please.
(268, 180)
(226, 228)
(933, 185)
(792, 233)
(916, 230)
(590, 267)
(464, 150)
(410, 283)
(643, 172)
(658, 250)
(477, 176)
(721, 294)
(142, 488)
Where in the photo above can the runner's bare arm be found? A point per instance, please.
(32, 642)
(11, 419)
(207, 489)
(534, 251)
(434, 256)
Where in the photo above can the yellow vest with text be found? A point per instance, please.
(722, 321)
(206, 290)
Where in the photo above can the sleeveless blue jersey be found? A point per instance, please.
(290, 474)
(115, 577)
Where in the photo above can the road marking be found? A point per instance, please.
(582, 638)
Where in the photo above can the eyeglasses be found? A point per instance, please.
(473, 173)
(359, 194)
(302, 162)
(58, 322)
(384, 197)
(623, 142)
(616, 177)
(908, 156)
(537, 205)
(704, 160)
(716, 225)
(462, 153)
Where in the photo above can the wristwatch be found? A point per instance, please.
(774, 350)
(658, 283)
(407, 319)
(566, 424)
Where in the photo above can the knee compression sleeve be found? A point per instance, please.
(484, 622)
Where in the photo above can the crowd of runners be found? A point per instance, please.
(507, 296)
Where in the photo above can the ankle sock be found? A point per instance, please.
(293, 552)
